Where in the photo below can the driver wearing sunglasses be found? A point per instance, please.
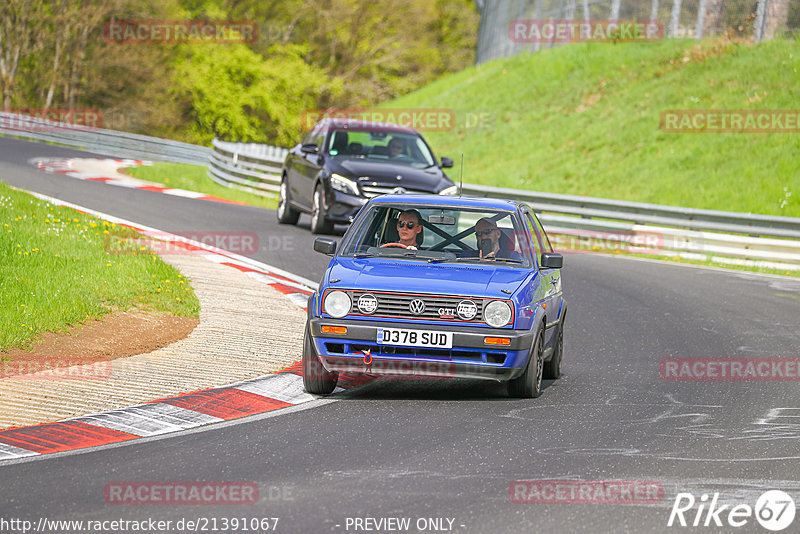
(409, 225)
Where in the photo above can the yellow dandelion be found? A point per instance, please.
(108, 264)
(105, 231)
(18, 252)
(57, 256)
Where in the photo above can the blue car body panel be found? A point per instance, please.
(536, 298)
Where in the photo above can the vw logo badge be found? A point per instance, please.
(367, 303)
(467, 309)
(417, 307)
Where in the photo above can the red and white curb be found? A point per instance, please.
(92, 170)
(260, 395)
(251, 397)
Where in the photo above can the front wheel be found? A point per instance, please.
(286, 213)
(315, 378)
(529, 385)
(319, 224)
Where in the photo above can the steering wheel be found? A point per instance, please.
(400, 245)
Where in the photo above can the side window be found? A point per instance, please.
(534, 230)
(542, 235)
(320, 140)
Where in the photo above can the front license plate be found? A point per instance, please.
(415, 338)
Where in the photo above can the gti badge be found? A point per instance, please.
(367, 303)
(416, 306)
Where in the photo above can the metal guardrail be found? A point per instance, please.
(583, 223)
(251, 167)
(111, 142)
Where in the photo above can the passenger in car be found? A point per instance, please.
(492, 242)
(397, 147)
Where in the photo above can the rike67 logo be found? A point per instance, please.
(774, 510)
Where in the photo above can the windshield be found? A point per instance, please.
(394, 147)
(439, 235)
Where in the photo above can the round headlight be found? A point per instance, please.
(337, 304)
(497, 313)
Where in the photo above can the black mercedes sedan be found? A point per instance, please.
(342, 163)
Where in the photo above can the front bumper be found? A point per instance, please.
(470, 356)
(342, 207)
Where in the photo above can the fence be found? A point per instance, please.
(120, 144)
(589, 223)
(751, 19)
(585, 223)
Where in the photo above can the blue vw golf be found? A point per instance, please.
(425, 285)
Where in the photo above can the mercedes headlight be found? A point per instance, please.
(337, 304)
(452, 190)
(497, 313)
(345, 185)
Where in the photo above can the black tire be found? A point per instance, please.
(529, 384)
(286, 213)
(319, 223)
(552, 368)
(315, 378)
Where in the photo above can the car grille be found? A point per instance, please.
(373, 191)
(397, 305)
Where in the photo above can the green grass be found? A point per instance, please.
(584, 119)
(56, 271)
(194, 178)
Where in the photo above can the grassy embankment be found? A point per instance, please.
(194, 178)
(57, 269)
(584, 119)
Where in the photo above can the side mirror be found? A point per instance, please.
(325, 245)
(310, 148)
(551, 260)
(447, 163)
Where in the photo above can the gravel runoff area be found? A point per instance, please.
(247, 329)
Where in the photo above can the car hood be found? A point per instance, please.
(421, 277)
(385, 174)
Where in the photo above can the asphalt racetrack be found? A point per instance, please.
(445, 453)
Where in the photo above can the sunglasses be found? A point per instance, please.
(484, 232)
(405, 224)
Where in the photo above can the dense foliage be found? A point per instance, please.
(309, 54)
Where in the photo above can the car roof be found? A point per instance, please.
(446, 200)
(366, 126)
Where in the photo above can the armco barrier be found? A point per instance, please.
(590, 223)
(110, 142)
(725, 237)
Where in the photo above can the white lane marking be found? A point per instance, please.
(300, 299)
(184, 193)
(261, 277)
(9, 451)
(149, 419)
(286, 387)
